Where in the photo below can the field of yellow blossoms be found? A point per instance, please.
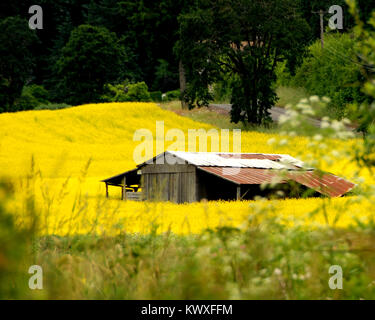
(59, 157)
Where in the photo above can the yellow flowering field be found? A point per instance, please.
(61, 156)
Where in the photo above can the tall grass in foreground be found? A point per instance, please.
(264, 260)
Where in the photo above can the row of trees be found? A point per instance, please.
(88, 43)
(85, 44)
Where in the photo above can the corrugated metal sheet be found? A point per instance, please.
(327, 184)
(240, 160)
(251, 156)
(243, 175)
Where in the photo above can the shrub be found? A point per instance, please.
(156, 96)
(126, 92)
(38, 92)
(138, 92)
(32, 96)
(25, 102)
(172, 95)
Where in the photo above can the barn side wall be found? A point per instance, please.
(164, 182)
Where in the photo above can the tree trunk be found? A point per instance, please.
(248, 99)
(181, 70)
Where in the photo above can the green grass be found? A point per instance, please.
(289, 95)
(214, 118)
(202, 115)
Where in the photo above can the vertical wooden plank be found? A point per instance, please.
(188, 187)
(192, 187)
(174, 191)
(147, 186)
(183, 187)
(124, 189)
(165, 186)
(195, 186)
(170, 187)
(238, 192)
(144, 186)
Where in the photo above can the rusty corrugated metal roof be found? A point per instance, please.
(242, 175)
(258, 168)
(324, 183)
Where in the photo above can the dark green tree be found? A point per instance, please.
(245, 39)
(16, 59)
(92, 57)
(149, 29)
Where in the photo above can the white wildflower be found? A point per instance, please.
(283, 142)
(326, 99)
(324, 124)
(277, 272)
(318, 137)
(271, 141)
(283, 119)
(314, 99)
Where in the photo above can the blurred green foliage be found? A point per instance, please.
(16, 255)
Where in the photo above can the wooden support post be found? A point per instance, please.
(124, 189)
(321, 14)
(238, 192)
(106, 190)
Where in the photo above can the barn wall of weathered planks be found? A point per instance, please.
(164, 182)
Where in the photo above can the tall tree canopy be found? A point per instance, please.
(148, 29)
(16, 59)
(245, 38)
(91, 58)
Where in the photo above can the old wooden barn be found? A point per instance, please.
(181, 177)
